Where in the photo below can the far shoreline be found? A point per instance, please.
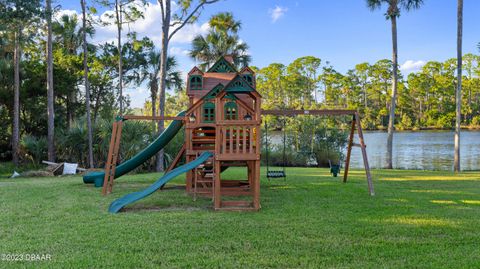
(463, 128)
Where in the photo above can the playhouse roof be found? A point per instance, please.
(223, 72)
(210, 80)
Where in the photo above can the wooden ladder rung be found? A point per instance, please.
(358, 145)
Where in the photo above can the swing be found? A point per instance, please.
(334, 168)
(275, 173)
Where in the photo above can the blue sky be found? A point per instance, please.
(343, 32)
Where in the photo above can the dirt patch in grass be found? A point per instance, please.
(140, 208)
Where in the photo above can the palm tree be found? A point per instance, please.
(225, 22)
(393, 12)
(458, 93)
(69, 39)
(68, 36)
(221, 40)
(68, 33)
(150, 72)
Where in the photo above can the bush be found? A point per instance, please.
(406, 122)
(309, 142)
(476, 121)
(446, 120)
(275, 158)
(33, 149)
(72, 144)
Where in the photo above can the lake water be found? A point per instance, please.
(424, 150)
(428, 150)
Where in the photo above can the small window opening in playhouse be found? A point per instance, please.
(209, 112)
(238, 83)
(231, 111)
(248, 78)
(195, 82)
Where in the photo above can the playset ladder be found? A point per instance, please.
(204, 177)
(112, 157)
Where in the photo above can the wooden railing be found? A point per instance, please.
(239, 141)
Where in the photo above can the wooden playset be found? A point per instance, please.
(223, 120)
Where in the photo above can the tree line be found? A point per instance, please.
(55, 75)
(57, 78)
(426, 99)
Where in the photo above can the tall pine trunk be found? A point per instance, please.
(458, 93)
(118, 12)
(87, 86)
(50, 90)
(16, 98)
(163, 75)
(391, 118)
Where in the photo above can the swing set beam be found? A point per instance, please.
(317, 112)
(355, 125)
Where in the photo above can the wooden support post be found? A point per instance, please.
(250, 174)
(349, 150)
(189, 179)
(195, 179)
(364, 154)
(256, 185)
(111, 163)
(177, 159)
(217, 199)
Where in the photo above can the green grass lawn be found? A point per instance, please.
(416, 220)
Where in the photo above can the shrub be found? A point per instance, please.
(72, 144)
(309, 142)
(406, 122)
(476, 121)
(446, 120)
(33, 149)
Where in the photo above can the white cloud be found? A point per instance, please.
(187, 33)
(277, 12)
(176, 51)
(150, 26)
(68, 12)
(412, 66)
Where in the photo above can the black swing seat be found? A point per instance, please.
(276, 174)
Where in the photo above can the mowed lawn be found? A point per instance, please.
(417, 219)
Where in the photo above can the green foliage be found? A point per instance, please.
(446, 121)
(476, 121)
(394, 7)
(425, 98)
(33, 149)
(222, 39)
(72, 143)
(406, 122)
(309, 141)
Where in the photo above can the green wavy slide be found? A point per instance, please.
(130, 198)
(159, 143)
